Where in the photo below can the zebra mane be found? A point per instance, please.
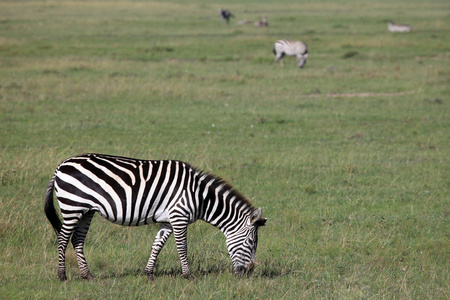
(221, 183)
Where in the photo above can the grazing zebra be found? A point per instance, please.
(133, 192)
(399, 27)
(226, 14)
(290, 48)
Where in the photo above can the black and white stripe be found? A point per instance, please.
(291, 48)
(399, 27)
(133, 192)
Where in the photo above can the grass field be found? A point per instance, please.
(348, 157)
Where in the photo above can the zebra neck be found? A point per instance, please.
(222, 206)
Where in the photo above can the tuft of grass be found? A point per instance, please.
(351, 54)
(310, 189)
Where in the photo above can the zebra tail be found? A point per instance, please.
(274, 51)
(49, 206)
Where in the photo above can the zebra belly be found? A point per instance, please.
(290, 53)
(158, 217)
(162, 217)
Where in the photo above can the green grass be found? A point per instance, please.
(348, 157)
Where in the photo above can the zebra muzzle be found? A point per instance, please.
(246, 270)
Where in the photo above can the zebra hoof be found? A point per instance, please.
(188, 276)
(150, 276)
(62, 276)
(88, 277)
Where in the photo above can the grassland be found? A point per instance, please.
(348, 157)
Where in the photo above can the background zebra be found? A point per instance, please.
(133, 192)
(291, 48)
(399, 27)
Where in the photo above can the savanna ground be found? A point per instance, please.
(348, 157)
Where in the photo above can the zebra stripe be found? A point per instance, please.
(133, 192)
(290, 48)
(399, 27)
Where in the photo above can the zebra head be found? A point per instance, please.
(243, 243)
(301, 59)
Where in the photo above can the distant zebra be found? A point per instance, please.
(290, 48)
(133, 192)
(226, 14)
(399, 27)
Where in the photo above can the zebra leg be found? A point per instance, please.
(279, 57)
(161, 237)
(301, 60)
(78, 239)
(67, 229)
(180, 234)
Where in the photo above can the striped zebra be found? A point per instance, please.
(290, 48)
(133, 192)
(399, 27)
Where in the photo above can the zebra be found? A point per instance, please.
(225, 14)
(399, 27)
(134, 192)
(290, 48)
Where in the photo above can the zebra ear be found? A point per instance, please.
(256, 219)
(261, 222)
